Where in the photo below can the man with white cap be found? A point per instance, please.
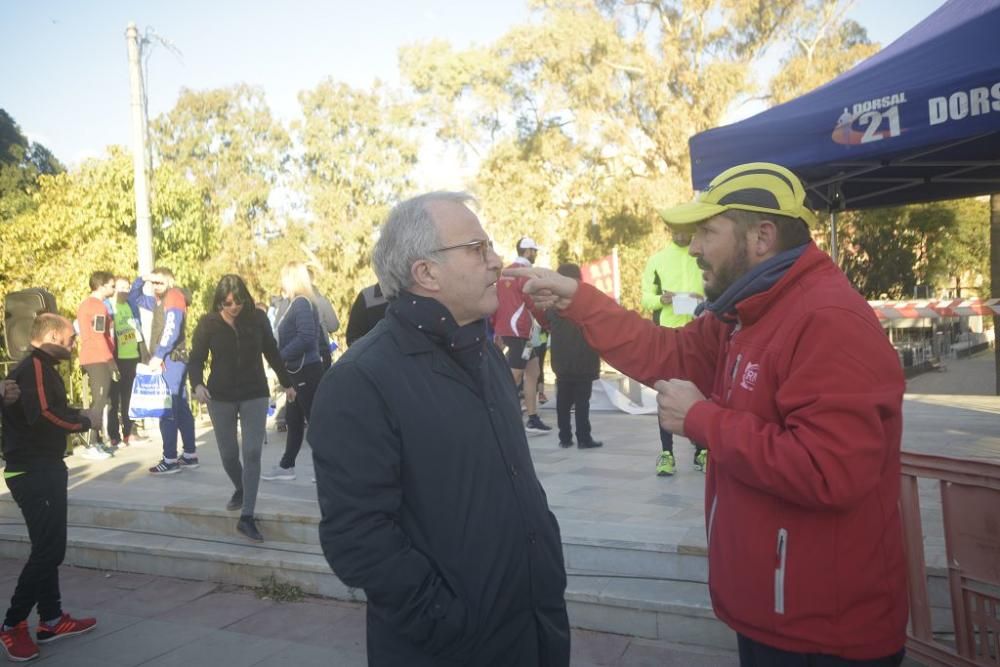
(513, 322)
(793, 387)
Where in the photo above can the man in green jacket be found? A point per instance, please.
(672, 272)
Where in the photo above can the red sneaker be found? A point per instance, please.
(17, 643)
(67, 626)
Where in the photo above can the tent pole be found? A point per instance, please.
(833, 236)
(995, 276)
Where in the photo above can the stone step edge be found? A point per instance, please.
(284, 516)
(272, 556)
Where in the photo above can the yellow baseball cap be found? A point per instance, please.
(757, 186)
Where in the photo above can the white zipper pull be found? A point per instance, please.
(779, 571)
(732, 376)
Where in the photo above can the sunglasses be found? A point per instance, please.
(484, 246)
(231, 303)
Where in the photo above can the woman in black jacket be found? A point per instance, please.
(237, 333)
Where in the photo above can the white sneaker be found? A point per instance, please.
(95, 454)
(278, 473)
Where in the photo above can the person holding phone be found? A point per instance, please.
(97, 355)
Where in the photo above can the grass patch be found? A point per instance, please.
(272, 588)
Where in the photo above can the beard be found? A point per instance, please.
(726, 273)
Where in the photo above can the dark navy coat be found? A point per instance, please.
(431, 504)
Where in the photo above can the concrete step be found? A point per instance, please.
(296, 522)
(227, 559)
(290, 521)
(676, 611)
(669, 610)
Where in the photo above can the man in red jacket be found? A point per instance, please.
(793, 387)
(513, 321)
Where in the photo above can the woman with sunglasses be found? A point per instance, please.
(237, 334)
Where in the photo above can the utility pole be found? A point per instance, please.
(143, 227)
(995, 276)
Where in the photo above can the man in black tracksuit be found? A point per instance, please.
(34, 441)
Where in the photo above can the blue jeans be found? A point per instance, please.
(181, 420)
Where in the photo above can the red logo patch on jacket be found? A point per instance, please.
(750, 373)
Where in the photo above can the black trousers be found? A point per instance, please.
(41, 495)
(667, 442)
(119, 425)
(755, 654)
(540, 353)
(570, 394)
(297, 413)
(99, 378)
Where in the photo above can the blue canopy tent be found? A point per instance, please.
(919, 121)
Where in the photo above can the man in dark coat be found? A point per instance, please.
(367, 311)
(429, 499)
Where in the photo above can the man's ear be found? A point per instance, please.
(764, 239)
(425, 275)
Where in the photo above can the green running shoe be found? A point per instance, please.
(701, 460)
(665, 464)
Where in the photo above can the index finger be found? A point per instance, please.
(520, 272)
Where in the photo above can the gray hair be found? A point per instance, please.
(409, 235)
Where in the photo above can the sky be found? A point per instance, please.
(64, 66)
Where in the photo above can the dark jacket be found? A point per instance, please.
(367, 311)
(300, 334)
(169, 322)
(237, 369)
(572, 359)
(430, 503)
(35, 426)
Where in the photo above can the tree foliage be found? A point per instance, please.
(21, 164)
(578, 121)
(581, 117)
(825, 46)
(358, 151)
(888, 252)
(228, 144)
(85, 220)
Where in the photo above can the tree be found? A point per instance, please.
(230, 146)
(826, 45)
(586, 111)
(888, 252)
(358, 150)
(85, 221)
(21, 163)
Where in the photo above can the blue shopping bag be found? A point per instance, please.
(150, 395)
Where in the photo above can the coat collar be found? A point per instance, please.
(812, 259)
(413, 342)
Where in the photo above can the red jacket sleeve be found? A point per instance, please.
(37, 402)
(643, 350)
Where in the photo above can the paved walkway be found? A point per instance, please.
(163, 622)
(610, 493)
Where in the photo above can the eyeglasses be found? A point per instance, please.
(484, 246)
(157, 282)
